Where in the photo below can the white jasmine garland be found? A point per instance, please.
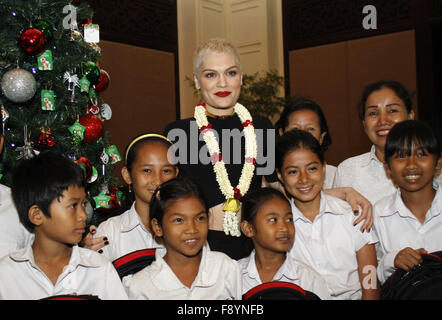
(231, 224)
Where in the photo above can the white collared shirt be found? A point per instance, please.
(366, 174)
(397, 228)
(218, 278)
(329, 245)
(87, 273)
(126, 233)
(13, 235)
(291, 271)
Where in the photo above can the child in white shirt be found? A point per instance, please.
(326, 237)
(267, 219)
(189, 270)
(49, 194)
(409, 222)
(146, 167)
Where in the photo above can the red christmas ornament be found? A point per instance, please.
(86, 165)
(94, 127)
(44, 140)
(32, 41)
(103, 81)
(113, 202)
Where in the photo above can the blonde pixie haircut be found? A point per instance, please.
(214, 45)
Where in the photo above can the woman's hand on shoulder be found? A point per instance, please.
(92, 243)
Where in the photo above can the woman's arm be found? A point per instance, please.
(367, 265)
(356, 200)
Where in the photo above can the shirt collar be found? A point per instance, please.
(204, 278)
(131, 220)
(287, 269)
(398, 206)
(326, 206)
(78, 257)
(370, 156)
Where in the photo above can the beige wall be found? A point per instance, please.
(334, 76)
(141, 91)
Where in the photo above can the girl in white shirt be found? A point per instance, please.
(305, 114)
(147, 166)
(267, 219)
(188, 270)
(326, 237)
(408, 223)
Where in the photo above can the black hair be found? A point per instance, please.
(41, 180)
(171, 191)
(252, 201)
(293, 140)
(131, 151)
(396, 86)
(298, 103)
(401, 137)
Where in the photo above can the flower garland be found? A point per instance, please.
(232, 195)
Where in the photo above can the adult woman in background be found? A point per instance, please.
(305, 114)
(382, 105)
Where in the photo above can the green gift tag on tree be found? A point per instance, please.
(112, 151)
(45, 61)
(47, 100)
(77, 129)
(84, 84)
(102, 201)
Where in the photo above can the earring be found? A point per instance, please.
(130, 188)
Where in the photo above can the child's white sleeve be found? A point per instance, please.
(114, 289)
(385, 265)
(235, 279)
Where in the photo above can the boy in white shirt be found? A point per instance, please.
(49, 194)
(409, 222)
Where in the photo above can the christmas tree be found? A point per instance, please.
(50, 86)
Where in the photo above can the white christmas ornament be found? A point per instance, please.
(18, 85)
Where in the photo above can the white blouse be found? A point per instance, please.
(291, 271)
(329, 245)
(218, 278)
(126, 233)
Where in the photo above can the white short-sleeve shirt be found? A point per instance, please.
(87, 273)
(366, 174)
(13, 235)
(218, 278)
(291, 271)
(329, 245)
(126, 233)
(397, 228)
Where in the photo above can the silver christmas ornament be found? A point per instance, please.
(18, 85)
